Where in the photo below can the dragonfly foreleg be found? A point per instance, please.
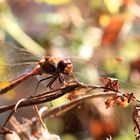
(51, 82)
(40, 82)
(72, 75)
(61, 79)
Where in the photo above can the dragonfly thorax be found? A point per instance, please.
(47, 67)
(52, 65)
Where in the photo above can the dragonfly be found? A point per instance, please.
(18, 65)
(56, 67)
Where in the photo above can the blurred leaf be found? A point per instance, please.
(9, 24)
(112, 30)
(53, 2)
(69, 137)
(104, 20)
(131, 49)
(113, 5)
(50, 18)
(59, 101)
(127, 2)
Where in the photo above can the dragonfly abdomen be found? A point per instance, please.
(19, 80)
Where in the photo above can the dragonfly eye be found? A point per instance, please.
(65, 67)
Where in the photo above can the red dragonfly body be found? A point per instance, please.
(51, 65)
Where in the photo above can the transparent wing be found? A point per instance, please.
(12, 72)
(92, 70)
(13, 55)
(15, 62)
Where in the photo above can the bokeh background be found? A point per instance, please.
(101, 37)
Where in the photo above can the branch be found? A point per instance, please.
(55, 112)
(42, 98)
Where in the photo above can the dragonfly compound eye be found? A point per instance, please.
(65, 67)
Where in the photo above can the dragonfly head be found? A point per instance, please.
(65, 67)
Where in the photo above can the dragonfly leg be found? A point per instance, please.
(61, 80)
(41, 81)
(73, 76)
(51, 82)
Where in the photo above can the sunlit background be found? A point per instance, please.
(101, 37)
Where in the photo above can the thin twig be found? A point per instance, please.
(54, 112)
(12, 112)
(39, 117)
(8, 118)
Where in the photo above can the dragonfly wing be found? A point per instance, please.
(92, 69)
(12, 72)
(14, 55)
